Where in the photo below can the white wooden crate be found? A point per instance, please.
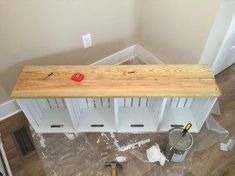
(116, 114)
(93, 114)
(180, 111)
(139, 114)
(47, 115)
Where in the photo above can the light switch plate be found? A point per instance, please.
(86, 39)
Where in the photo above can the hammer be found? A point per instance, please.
(113, 165)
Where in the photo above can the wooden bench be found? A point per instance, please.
(131, 98)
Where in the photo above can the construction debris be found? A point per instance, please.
(154, 155)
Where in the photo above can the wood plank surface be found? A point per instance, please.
(117, 81)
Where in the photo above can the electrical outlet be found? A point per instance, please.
(86, 39)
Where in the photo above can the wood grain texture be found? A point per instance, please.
(117, 81)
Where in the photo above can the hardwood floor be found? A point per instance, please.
(28, 165)
(213, 161)
(85, 153)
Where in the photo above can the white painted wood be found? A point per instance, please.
(60, 103)
(56, 117)
(131, 119)
(226, 54)
(52, 103)
(146, 55)
(205, 109)
(118, 57)
(194, 111)
(50, 120)
(74, 111)
(8, 109)
(25, 106)
(104, 118)
(181, 103)
(37, 115)
(135, 102)
(82, 103)
(5, 160)
(121, 102)
(128, 102)
(76, 106)
(116, 112)
(177, 116)
(155, 102)
(98, 102)
(197, 105)
(111, 102)
(90, 103)
(174, 102)
(119, 114)
(151, 102)
(157, 109)
(218, 32)
(189, 102)
(43, 104)
(35, 109)
(97, 114)
(129, 53)
(143, 102)
(105, 102)
(139, 114)
(159, 116)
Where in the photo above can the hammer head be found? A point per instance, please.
(112, 164)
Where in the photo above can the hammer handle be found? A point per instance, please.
(114, 172)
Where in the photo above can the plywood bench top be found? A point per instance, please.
(117, 81)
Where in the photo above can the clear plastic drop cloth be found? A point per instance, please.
(213, 125)
(84, 154)
(216, 109)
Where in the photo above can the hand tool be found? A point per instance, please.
(113, 165)
(185, 130)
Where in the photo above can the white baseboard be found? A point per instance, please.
(129, 53)
(11, 107)
(146, 55)
(119, 57)
(8, 109)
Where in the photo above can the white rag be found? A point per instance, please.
(154, 154)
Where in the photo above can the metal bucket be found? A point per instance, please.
(181, 149)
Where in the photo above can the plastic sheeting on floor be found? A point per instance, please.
(84, 154)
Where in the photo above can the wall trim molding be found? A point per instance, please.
(146, 56)
(130, 53)
(11, 107)
(8, 109)
(118, 57)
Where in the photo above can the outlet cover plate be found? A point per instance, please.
(86, 39)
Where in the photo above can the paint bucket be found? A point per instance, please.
(181, 149)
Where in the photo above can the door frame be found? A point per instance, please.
(217, 39)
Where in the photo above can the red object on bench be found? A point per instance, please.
(78, 77)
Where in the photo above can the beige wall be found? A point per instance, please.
(3, 95)
(176, 30)
(49, 32)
